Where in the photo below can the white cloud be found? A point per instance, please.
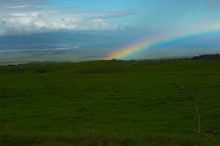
(20, 17)
(33, 22)
(18, 7)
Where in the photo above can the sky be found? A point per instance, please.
(134, 20)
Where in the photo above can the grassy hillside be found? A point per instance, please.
(108, 103)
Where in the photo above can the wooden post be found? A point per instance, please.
(191, 94)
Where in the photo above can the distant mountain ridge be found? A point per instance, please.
(207, 57)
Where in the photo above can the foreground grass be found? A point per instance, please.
(108, 103)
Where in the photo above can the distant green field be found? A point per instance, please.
(110, 103)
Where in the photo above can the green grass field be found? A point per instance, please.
(108, 103)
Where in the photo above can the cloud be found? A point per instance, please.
(18, 7)
(213, 3)
(44, 21)
(21, 17)
(15, 2)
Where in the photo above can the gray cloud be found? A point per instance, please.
(12, 2)
(213, 3)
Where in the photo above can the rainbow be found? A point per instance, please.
(145, 44)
